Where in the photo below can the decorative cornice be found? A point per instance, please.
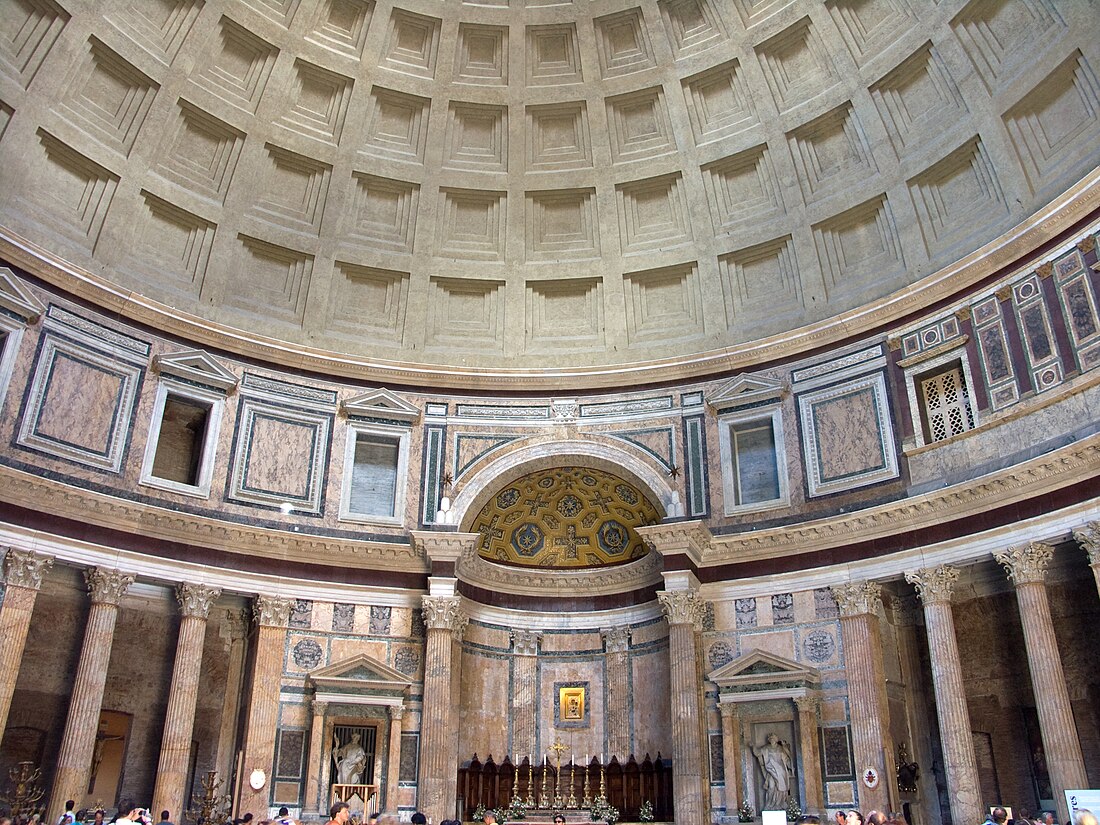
(526, 642)
(443, 546)
(682, 607)
(1089, 538)
(272, 611)
(444, 613)
(857, 598)
(25, 568)
(616, 639)
(195, 599)
(1026, 564)
(107, 586)
(1052, 471)
(147, 520)
(692, 538)
(622, 578)
(934, 584)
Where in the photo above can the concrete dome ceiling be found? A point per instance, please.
(526, 183)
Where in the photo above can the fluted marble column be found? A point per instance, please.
(731, 755)
(74, 758)
(272, 614)
(313, 802)
(179, 720)
(445, 622)
(808, 710)
(872, 744)
(1027, 567)
(1089, 538)
(23, 571)
(683, 609)
(235, 632)
(617, 661)
(393, 760)
(934, 586)
(525, 651)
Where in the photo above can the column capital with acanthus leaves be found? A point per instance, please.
(682, 607)
(857, 598)
(25, 568)
(1026, 564)
(444, 613)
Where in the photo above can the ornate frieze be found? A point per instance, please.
(195, 599)
(616, 639)
(1026, 564)
(272, 611)
(934, 584)
(1089, 538)
(857, 598)
(444, 613)
(526, 642)
(25, 568)
(682, 607)
(107, 586)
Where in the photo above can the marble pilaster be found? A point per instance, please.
(74, 757)
(683, 609)
(23, 571)
(617, 661)
(393, 759)
(525, 649)
(1089, 539)
(1027, 566)
(934, 586)
(731, 755)
(872, 744)
(314, 805)
(272, 614)
(445, 622)
(808, 709)
(169, 793)
(235, 635)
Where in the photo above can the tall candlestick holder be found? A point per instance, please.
(587, 801)
(530, 782)
(603, 783)
(571, 801)
(517, 800)
(544, 795)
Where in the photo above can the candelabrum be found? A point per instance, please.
(571, 802)
(25, 791)
(211, 808)
(586, 803)
(557, 748)
(544, 795)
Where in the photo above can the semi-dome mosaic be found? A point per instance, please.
(499, 184)
(566, 517)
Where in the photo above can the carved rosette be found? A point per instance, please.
(1089, 538)
(934, 584)
(682, 607)
(272, 611)
(195, 599)
(857, 598)
(396, 712)
(1026, 564)
(616, 639)
(107, 586)
(807, 704)
(25, 568)
(729, 710)
(526, 642)
(444, 613)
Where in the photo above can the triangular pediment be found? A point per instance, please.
(359, 674)
(16, 298)
(762, 669)
(380, 403)
(747, 389)
(196, 366)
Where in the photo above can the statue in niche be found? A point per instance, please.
(776, 766)
(350, 761)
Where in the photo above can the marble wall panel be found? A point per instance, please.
(482, 635)
(571, 642)
(779, 642)
(401, 621)
(1079, 308)
(295, 714)
(648, 633)
(485, 709)
(340, 649)
(322, 616)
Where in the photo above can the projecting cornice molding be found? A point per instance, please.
(531, 581)
(197, 367)
(380, 403)
(747, 390)
(17, 299)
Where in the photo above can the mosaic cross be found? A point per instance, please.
(600, 500)
(536, 504)
(571, 541)
(489, 532)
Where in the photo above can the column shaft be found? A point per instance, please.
(74, 757)
(313, 801)
(811, 754)
(435, 726)
(23, 575)
(524, 695)
(393, 762)
(617, 643)
(236, 622)
(687, 753)
(731, 756)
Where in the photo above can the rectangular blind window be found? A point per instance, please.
(755, 473)
(181, 440)
(946, 405)
(374, 476)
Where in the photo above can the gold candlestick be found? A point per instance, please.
(544, 796)
(558, 747)
(530, 782)
(587, 801)
(516, 798)
(603, 783)
(571, 802)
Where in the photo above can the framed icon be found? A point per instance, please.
(571, 704)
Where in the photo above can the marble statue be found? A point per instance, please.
(350, 761)
(776, 766)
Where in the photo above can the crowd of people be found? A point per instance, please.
(997, 816)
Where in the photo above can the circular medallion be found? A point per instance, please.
(870, 778)
(257, 779)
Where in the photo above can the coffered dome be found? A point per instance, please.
(425, 187)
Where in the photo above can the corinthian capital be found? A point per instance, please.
(1026, 564)
(396, 712)
(25, 568)
(444, 613)
(195, 599)
(857, 598)
(616, 639)
(107, 586)
(934, 584)
(807, 704)
(1089, 538)
(272, 611)
(682, 607)
(526, 642)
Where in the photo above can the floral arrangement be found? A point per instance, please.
(794, 810)
(602, 810)
(646, 812)
(746, 813)
(516, 810)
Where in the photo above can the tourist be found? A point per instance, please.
(997, 816)
(165, 818)
(1084, 817)
(67, 818)
(338, 813)
(284, 817)
(419, 819)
